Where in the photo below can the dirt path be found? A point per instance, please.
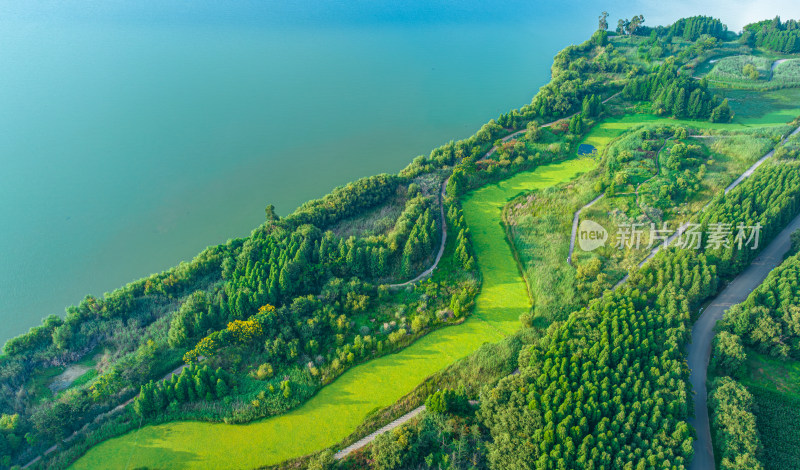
(371, 437)
(394, 424)
(699, 350)
(658, 172)
(735, 183)
(758, 163)
(488, 154)
(775, 64)
(101, 416)
(443, 220)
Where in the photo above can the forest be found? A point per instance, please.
(773, 35)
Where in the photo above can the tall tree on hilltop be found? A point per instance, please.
(603, 22)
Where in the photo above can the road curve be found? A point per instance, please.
(575, 219)
(428, 271)
(683, 227)
(488, 154)
(699, 350)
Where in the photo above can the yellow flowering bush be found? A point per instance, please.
(245, 331)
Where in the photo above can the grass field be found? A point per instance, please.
(775, 385)
(541, 223)
(754, 108)
(341, 406)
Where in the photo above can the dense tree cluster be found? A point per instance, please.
(735, 425)
(93, 320)
(774, 35)
(769, 198)
(695, 26)
(276, 265)
(768, 321)
(192, 384)
(678, 95)
(455, 219)
(608, 388)
(11, 437)
(778, 421)
(575, 75)
(344, 201)
(436, 440)
(447, 401)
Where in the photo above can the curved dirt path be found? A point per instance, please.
(488, 154)
(575, 219)
(443, 220)
(699, 350)
(776, 64)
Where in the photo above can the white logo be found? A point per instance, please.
(591, 235)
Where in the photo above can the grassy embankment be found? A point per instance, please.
(340, 407)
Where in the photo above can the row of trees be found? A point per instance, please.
(608, 387)
(735, 425)
(342, 202)
(768, 321)
(192, 384)
(695, 26)
(276, 265)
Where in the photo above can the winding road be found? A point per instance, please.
(699, 350)
(575, 219)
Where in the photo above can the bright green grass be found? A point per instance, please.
(772, 374)
(340, 407)
(754, 108)
(775, 385)
(612, 127)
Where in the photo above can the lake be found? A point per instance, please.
(132, 135)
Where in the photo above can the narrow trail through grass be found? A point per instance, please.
(340, 407)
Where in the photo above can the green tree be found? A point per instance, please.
(603, 21)
(222, 388)
(729, 354)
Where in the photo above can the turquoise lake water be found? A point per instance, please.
(134, 134)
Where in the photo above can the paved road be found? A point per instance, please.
(575, 219)
(703, 333)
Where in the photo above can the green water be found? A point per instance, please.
(335, 412)
(128, 145)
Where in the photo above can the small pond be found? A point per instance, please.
(586, 149)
